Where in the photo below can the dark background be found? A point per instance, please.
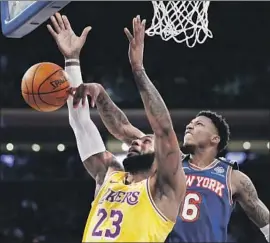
(46, 195)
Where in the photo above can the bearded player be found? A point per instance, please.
(155, 192)
(214, 184)
(206, 135)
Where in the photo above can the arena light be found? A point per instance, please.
(246, 145)
(240, 157)
(125, 147)
(61, 147)
(9, 146)
(35, 147)
(268, 145)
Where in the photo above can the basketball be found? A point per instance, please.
(45, 87)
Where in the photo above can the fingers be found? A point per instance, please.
(85, 33)
(134, 23)
(78, 95)
(142, 30)
(138, 29)
(52, 32)
(143, 24)
(55, 24)
(94, 99)
(137, 23)
(128, 34)
(84, 96)
(93, 102)
(71, 91)
(60, 21)
(66, 22)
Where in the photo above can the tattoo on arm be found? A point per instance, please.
(156, 110)
(170, 178)
(252, 205)
(115, 120)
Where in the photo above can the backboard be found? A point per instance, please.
(19, 18)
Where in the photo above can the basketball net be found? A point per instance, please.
(184, 21)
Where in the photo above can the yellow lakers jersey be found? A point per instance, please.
(125, 213)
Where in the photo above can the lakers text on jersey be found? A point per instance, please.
(125, 213)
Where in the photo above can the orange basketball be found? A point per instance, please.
(44, 87)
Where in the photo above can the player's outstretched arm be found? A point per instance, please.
(170, 175)
(91, 148)
(113, 118)
(247, 197)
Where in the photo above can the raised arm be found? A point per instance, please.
(96, 159)
(246, 195)
(113, 118)
(170, 175)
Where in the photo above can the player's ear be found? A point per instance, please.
(215, 139)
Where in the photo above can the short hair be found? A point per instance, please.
(221, 125)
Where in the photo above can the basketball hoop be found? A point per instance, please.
(181, 20)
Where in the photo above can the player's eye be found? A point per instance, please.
(147, 141)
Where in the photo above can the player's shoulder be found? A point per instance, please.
(114, 176)
(241, 183)
(228, 162)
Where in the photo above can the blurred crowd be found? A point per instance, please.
(46, 198)
(198, 88)
(51, 165)
(44, 211)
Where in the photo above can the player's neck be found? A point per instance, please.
(203, 157)
(134, 178)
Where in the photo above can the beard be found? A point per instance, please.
(139, 163)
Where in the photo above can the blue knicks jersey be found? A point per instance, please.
(205, 213)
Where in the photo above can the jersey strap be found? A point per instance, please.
(231, 163)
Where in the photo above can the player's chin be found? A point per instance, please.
(133, 153)
(188, 146)
(138, 163)
(189, 139)
(188, 142)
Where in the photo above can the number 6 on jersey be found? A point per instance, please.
(190, 210)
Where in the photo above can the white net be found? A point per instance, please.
(184, 21)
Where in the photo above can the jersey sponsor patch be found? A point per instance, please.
(220, 171)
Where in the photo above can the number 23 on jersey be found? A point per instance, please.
(113, 220)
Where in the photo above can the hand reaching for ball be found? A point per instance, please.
(80, 93)
(68, 42)
(136, 43)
